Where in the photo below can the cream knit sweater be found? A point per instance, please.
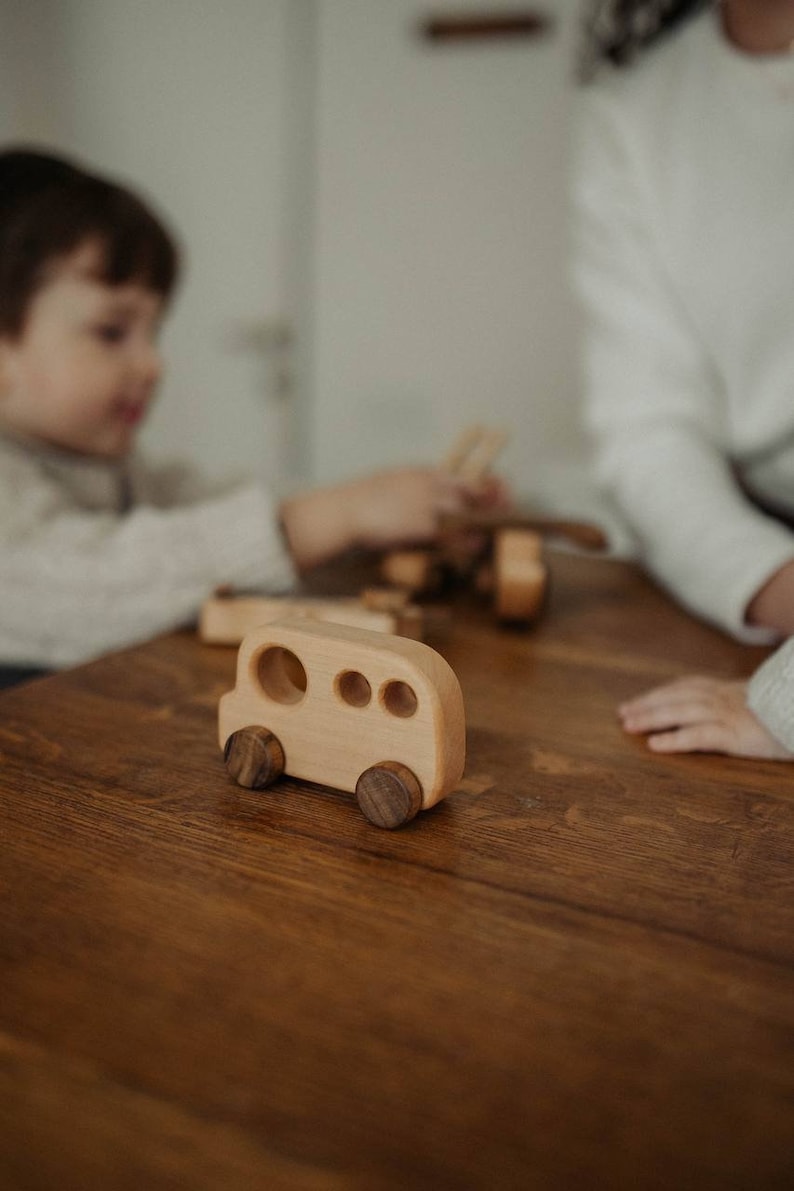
(684, 260)
(95, 556)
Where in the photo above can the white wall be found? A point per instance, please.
(32, 83)
(403, 206)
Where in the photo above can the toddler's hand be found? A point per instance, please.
(697, 714)
(389, 508)
(392, 508)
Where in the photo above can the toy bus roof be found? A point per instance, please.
(295, 629)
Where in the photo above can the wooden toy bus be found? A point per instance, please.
(371, 714)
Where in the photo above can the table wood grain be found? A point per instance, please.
(576, 972)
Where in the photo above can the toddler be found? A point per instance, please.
(97, 549)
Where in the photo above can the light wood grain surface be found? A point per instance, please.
(575, 972)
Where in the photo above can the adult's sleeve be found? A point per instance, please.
(651, 396)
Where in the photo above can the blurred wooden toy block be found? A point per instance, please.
(385, 599)
(414, 571)
(520, 575)
(374, 715)
(226, 617)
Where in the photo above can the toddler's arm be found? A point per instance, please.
(697, 714)
(389, 508)
(76, 582)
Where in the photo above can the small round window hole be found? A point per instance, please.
(353, 688)
(399, 699)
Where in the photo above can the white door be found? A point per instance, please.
(439, 238)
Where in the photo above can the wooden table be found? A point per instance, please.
(574, 973)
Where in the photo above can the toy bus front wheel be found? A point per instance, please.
(254, 757)
(389, 794)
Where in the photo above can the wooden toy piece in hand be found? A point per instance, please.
(473, 452)
(422, 571)
(378, 716)
(226, 617)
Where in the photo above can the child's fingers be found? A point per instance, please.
(701, 737)
(449, 496)
(682, 702)
(667, 713)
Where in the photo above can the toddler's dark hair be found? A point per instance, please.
(49, 207)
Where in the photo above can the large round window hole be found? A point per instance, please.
(281, 674)
(399, 699)
(353, 688)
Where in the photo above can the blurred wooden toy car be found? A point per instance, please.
(510, 564)
(371, 714)
(512, 568)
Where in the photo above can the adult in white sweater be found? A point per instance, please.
(97, 551)
(684, 260)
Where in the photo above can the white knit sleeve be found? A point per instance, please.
(650, 392)
(770, 694)
(78, 583)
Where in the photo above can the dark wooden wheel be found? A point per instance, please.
(389, 794)
(254, 757)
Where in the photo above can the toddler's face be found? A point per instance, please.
(83, 373)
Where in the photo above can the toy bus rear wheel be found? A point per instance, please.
(389, 794)
(254, 757)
